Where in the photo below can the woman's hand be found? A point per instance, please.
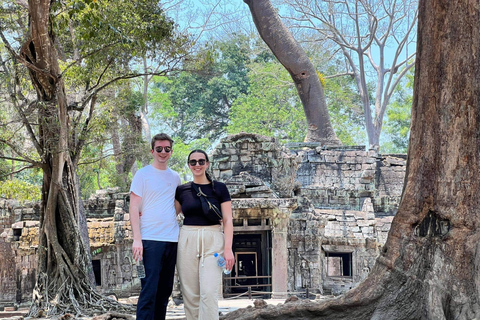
(228, 234)
(230, 258)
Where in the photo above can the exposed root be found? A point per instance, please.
(75, 297)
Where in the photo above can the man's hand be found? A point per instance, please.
(137, 250)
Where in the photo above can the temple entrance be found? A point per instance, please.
(251, 275)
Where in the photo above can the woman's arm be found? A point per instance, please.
(228, 233)
(178, 207)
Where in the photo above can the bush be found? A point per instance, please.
(19, 190)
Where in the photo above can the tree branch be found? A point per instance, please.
(19, 170)
(15, 149)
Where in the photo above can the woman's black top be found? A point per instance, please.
(191, 205)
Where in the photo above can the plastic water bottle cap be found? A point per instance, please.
(215, 254)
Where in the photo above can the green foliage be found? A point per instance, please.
(96, 251)
(271, 107)
(120, 28)
(96, 172)
(99, 42)
(115, 144)
(19, 190)
(397, 125)
(199, 99)
(345, 110)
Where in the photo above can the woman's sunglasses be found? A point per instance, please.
(160, 149)
(193, 163)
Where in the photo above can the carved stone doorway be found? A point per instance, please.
(252, 274)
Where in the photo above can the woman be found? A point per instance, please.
(200, 238)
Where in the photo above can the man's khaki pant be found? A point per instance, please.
(200, 276)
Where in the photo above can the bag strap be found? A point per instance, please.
(199, 191)
(206, 205)
(195, 188)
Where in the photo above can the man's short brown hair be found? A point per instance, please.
(161, 136)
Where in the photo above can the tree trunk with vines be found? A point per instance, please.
(429, 266)
(63, 283)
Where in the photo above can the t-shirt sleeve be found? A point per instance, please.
(224, 194)
(179, 181)
(177, 193)
(137, 184)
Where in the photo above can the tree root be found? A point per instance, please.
(72, 297)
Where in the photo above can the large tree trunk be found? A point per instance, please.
(63, 283)
(293, 58)
(429, 267)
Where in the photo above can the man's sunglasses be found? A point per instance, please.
(193, 163)
(160, 149)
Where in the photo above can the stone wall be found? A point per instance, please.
(110, 243)
(18, 242)
(346, 199)
(8, 284)
(344, 177)
(260, 156)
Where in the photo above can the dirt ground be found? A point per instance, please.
(173, 312)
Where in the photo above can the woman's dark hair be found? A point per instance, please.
(198, 151)
(209, 177)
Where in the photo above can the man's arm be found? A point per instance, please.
(134, 211)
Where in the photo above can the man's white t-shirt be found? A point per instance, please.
(157, 189)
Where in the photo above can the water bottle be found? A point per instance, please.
(140, 269)
(222, 263)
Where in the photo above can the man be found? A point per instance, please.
(155, 228)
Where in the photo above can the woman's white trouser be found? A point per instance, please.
(200, 276)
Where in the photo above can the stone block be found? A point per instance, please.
(367, 230)
(9, 309)
(32, 224)
(365, 223)
(18, 225)
(355, 229)
(225, 165)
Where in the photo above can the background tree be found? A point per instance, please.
(293, 58)
(375, 39)
(428, 268)
(198, 99)
(272, 107)
(99, 43)
(397, 124)
(344, 105)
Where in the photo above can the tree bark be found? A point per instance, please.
(293, 58)
(428, 268)
(63, 283)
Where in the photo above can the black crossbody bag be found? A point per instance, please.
(211, 211)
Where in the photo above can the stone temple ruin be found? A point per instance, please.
(307, 219)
